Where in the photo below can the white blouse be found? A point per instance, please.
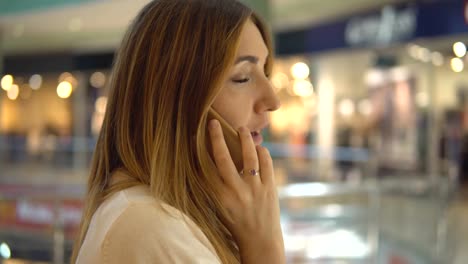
(131, 227)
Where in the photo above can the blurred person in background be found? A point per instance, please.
(458, 211)
(163, 186)
(457, 236)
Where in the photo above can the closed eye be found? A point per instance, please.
(244, 80)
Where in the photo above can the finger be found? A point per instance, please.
(222, 158)
(266, 166)
(249, 155)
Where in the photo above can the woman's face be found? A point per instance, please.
(247, 95)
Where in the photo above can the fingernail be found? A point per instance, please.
(241, 129)
(214, 123)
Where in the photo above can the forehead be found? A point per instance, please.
(251, 41)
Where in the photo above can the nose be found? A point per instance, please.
(269, 100)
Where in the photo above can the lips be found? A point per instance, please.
(256, 133)
(257, 138)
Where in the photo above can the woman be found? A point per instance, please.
(164, 187)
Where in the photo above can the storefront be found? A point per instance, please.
(51, 110)
(377, 94)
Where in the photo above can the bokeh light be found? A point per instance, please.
(13, 92)
(300, 70)
(64, 89)
(35, 81)
(7, 82)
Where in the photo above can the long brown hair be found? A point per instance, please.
(167, 73)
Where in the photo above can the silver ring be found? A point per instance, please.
(252, 172)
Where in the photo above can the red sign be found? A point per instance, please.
(395, 259)
(37, 215)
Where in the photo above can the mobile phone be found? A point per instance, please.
(231, 136)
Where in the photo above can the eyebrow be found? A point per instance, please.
(248, 58)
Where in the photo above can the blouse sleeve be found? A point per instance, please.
(145, 234)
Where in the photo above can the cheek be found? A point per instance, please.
(234, 106)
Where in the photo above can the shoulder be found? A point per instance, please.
(144, 221)
(146, 232)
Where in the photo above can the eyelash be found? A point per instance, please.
(244, 80)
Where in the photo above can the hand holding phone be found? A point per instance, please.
(251, 200)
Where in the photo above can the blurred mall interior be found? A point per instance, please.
(370, 145)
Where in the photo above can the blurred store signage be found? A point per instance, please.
(40, 215)
(389, 26)
(56, 62)
(37, 212)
